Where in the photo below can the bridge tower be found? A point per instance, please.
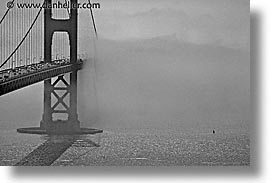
(52, 89)
(69, 26)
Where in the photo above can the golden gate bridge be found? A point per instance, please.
(41, 44)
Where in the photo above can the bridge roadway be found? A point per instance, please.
(19, 77)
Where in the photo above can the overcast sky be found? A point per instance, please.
(218, 22)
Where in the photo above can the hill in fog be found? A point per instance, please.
(164, 82)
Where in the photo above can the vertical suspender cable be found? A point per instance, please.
(41, 37)
(31, 59)
(63, 35)
(36, 44)
(4, 45)
(61, 40)
(26, 43)
(29, 43)
(31, 36)
(8, 24)
(16, 35)
(4, 40)
(22, 33)
(9, 45)
(19, 34)
(11, 36)
(28, 38)
(36, 40)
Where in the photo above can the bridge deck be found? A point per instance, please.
(17, 78)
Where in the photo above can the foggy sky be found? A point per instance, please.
(217, 22)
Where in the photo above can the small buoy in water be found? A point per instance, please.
(214, 131)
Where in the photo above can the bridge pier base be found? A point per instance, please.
(40, 131)
(61, 127)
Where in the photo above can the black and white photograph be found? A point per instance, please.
(125, 83)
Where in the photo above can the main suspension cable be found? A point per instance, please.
(93, 20)
(23, 38)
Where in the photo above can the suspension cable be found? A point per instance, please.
(93, 20)
(22, 39)
(7, 11)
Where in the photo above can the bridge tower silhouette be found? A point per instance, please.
(70, 27)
